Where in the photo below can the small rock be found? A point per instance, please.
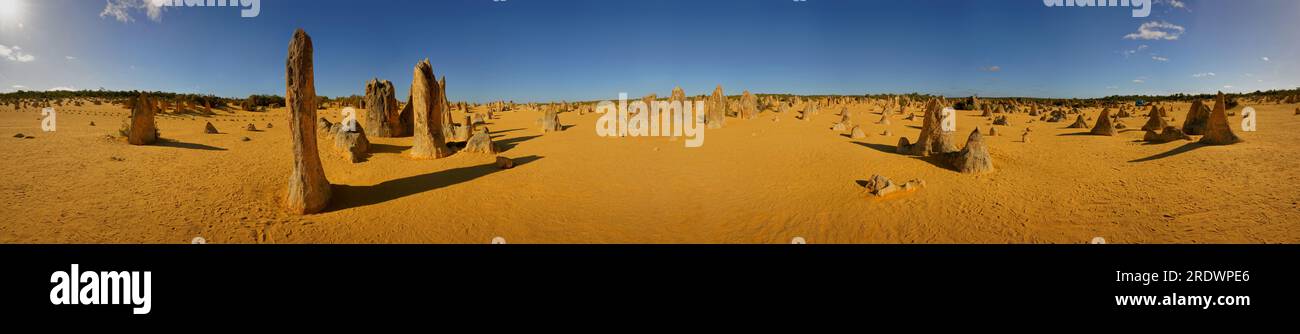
(880, 186)
(19, 135)
(857, 133)
(244, 139)
(505, 163)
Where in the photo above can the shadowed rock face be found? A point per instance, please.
(142, 130)
(716, 115)
(1079, 123)
(1103, 126)
(209, 129)
(383, 117)
(1197, 119)
(1155, 121)
(445, 110)
(308, 190)
(1217, 129)
(428, 140)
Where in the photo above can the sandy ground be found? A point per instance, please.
(754, 181)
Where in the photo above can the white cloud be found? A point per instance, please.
(1227, 86)
(1157, 31)
(1159, 58)
(1202, 75)
(69, 57)
(15, 53)
(120, 10)
(1138, 81)
(19, 87)
(1264, 58)
(61, 88)
(994, 68)
(1174, 3)
(1135, 51)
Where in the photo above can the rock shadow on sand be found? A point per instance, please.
(879, 147)
(387, 149)
(893, 150)
(347, 197)
(507, 144)
(1176, 151)
(190, 146)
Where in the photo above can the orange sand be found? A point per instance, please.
(755, 181)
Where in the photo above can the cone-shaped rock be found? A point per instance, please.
(308, 190)
(1154, 121)
(974, 159)
(1217, 129)
(1104, 127)
(209, 129)
(429, 113)
(857, 133)
(1079, 123)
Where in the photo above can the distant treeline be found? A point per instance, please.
(252, 102)
(259, 101)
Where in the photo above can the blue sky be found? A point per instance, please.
(535, 50)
